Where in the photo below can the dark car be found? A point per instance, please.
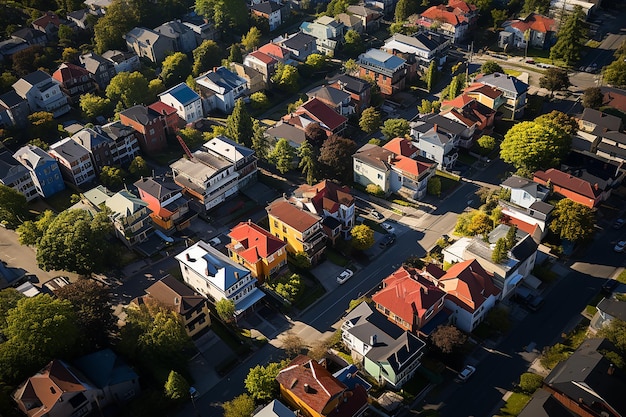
(387, 240)
(608, 286)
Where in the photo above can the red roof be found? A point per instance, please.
(263, 57)
(453, 13)
(535, 22)
(44, 20)
(320, 112)
(412, 166)
(614, 97)
(292, 216)
(401, 146)
(254, 242)
(569, 182)
(68, 71)
(459, 102)
(274, 50)
(326, 195)
(162, 108)
(488, 91)
(461, 5)
(469, 285)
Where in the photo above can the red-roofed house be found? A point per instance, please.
(75, 81)
(486, 95)
(49, 24)
(263, 63)
(309, 387)
(315, 110)
(171, 120)
(409, 300)
(467, 110)
(471, 292)
(256, 249)
(540, 29)
(454, 19)
(277, 52)
(572, 187)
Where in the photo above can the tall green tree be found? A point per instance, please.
(239, 125)
(404, 9)
(175, 69)
(121, 17)
(240, 406)
(225, 309)
(252, 39)
(139, 167)
(571, 38)
(8, 300)
(259, 140)
(615, 73)
(259, 100)
(192, 137)
(286, 78)
(7, 79)
(565, 124)
(261, 381)
(282, 155)
(112, 177)
(370, 120)
(536, 6)
(235, 53)
(30, 232)
(334, 153)
(499, 252)
(206, 56)
(130, 88)
(13, 208)
(176, 387)
(593, 98)
(315, 61)
(554, 79)
(42, 124)
(431, 76)
(308, 161)
(395, 128)
(93, 106)
(353, 43)
(498, 16)
(362, 237)
(447, 338)
(572, 221)
(456, 86)
(489, 67)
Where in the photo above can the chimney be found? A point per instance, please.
(236, 275)
(373, 340)
(611, 369)
(187, 256)
(595, 186)
(435, 127)
(425, 289)
(389, 159)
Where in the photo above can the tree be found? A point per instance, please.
(8, 300)
(614, 331)
(75, 241)
(593, 98)
(486, 144)
(252, 39)
(572, 221)
(353, 43)
(239, 125)
(334, 153)
(30, 232)
(282, 156)
(571, 38)
(66, 35)
(308, 161)
(42, 123)
(498, 16)
(206, 56)
(404, 9)
(259, 100)
(7, 80)
(554, 79)
(350, 66)
(395, 128)
(175, 69)
(225, 309)
(261, 381)
(240, 406)
(12, 207)
(139, 167)
(70, 55)
(456, 86)
(259, 140)
(30, 59)
(447, 338)
(490, 67)
(615, 73)
(130, 88)
(315, 61)
(291, 107)
(536, 6)
(286, 78)
(480, 224)
(292, 344)
(529, 382)
(121, 17)
(511, 237)
(176, 387)
(362, 237)
(93, 105)
(433, 187)
(315, 134)
(431, 75)
(192, 137)
(564, 124)
(500, 251)
(288, 286)
(112, 177)
(370, 120)
(235, 54)
(301, 260)
(155, 87)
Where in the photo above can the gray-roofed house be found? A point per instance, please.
(435, 143)
(254, 78)
(187, 102)
(14, 110)
(11, 46)
(16, 176)
(514, 91)
(98, 145)
(147, 43)
(327, 32)
(370, 16)
(275, 409)
(100, 68)
(281, 130)
(359, 89)
(300, 45)
(215, 276)
(130, 216)
(74, 161)
(124, 145)
(595, 121)
(388, 353)
(43, 93)
(44, 170)
(608, 309)
(220, 89)
(350, 22)
(336, 99)
(79, 18)
(244, 159)
(425, 46)
(122, 61)
(183, 36)
(273, 11)
(169, 208)
(388, 71)
(202, 28)
(526, 207)
(31, 36)
(543, 404)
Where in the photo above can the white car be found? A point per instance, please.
(389, 228)
(344, 276)
(620, 246)
(376, 214)
(466, 373)
(215, 241)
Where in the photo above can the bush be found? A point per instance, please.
(434, 186)
(529, 382)
(552, 355)
(374, 190)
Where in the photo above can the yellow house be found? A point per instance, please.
(301, 230)
(487, 95)
(256, 249)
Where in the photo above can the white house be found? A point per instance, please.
(426, 46)
(43, 93)
(74, 160)
(328, 33)
(186, 102)
(526, 208)
(122, 61)
(243, 159)
(215, 276)
(435, 144)
(220, 89)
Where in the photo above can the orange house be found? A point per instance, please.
(572, 187)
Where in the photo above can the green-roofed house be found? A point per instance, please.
(130, 216)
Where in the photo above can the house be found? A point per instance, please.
(191, 307)
(75, 81)
(338, 100)
(149, 44)
(526, 208)
(243, 159)
(31, 36)
(171, 121)
(169, 209)
(49, 24)
(257, 249)
(124, 146)
(276, 51)
(263, 63)
(215, 276)
(79, 18)
(328, 199)
(98, 145)
(470, 292)
(301, 230)
(15, 176)
(388, 353)
(328, 33)
(275, 409)
(388, 71)
(454, 19)
(572, 187)
(11, 46)
(507, 274)
(74, 161)
(434, 143)
(201, 27)
(300, 45)
(272, 11)
(537, 30)
(101, 69)
(614, 97)
(43, 93)
(411, 302)
(97, 7)
(149, 126)
(315, 111)
(350, 22)
(370, 16)
(220, 89)
(424, 47)
(122, 61)
(282, 130)
(489, 96)
(513, 89)
(130, 216)
(611, 146)
(310, 388)
(207, 178)
(14, 110)
(44, 170)
(463, 133)
(595, 121)
(255, 81)
(359, 89)
(468, 111)
(186, 102)
(608, 309)
(542, 404)
(184, 37)
(567, 6)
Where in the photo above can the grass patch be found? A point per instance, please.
(592, 43)
(61, 200)
(414, 386)
(448, 175)
(591, 310)
(346, 357)
(513, 73)
(622, 277)
(515, 404)
(311, 293)
(467, 159)
(169, 155)
(336, 258)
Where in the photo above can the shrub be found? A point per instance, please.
(374, 190)
(529, 382)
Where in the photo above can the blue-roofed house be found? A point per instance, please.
(215, 276)
(220, 89)
(389, 71)
(44, 170)
(107, 371)
(186, 102)
(349, 376)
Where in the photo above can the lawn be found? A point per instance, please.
(515, 404)
(336, 257)
(622, 277)
(466, 158)
(513, 73)
(312, 292)
(229, 337)
(173, 153)
(61, 200)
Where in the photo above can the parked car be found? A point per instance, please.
(387, 240)
(608, 286)
(57, 283)
(535, 303)
(530, 61)
(388, 227)
(344, 276)
(466, 373)
(376, 214)
(620, 246)
(619, 223)
(215, 241)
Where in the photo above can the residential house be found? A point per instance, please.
(98, 145)
(31, 36)
(220, 89)
(513, 89)
(282, 130)
(169, 209)
(350, 22)
(147, 43)
(507, 274)
(243, 159)
(124, 146)
(43, 93)
(79, 18)
(607, 173)
(10, 47)
(310, 388)
(468, 111)
(567, 6)
(454, 19)
(278, 52)
(215, 276)
(191, 307)
(97, 7)
(183, 36)
(14, 110)
(257, 249)
(359, 89)
(171, 121)
(470, 292)
(388, 71)
(263, 63)
(207, 178)
(328, 34)
(74, 80)
(537, 30)
(612, 146)
(338, 100)
(608, 309)
(463, 133)
(49, 24)
(44, 170)
(370, 16)
(275, 409)
(255, 81)
(301, 230)
(328, 199)
(487, 95)
(15, 176)
(595, 121)
(526, 208)
(130, 216)
(424, 47)
(411, 302)
(434, 143)
(74, 161)
(202, 28)
(577, 189)
(122, 61)
(315, 111)
(101, 69)
(149, 126)
(542, 404)
(186, 102)
(388, 353)
(614, 97)
(273, 11)
(300, 45)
